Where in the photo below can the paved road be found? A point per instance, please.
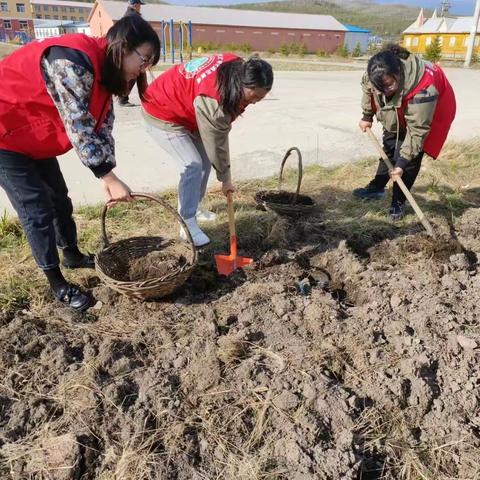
(316, 111)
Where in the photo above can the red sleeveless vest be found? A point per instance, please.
(444, 111)
(170, 97)
(29, 120)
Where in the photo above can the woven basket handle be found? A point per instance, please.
(300, 172)
(166, 206)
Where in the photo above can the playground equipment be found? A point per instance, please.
(184, 43)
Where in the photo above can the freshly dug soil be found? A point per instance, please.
(155, 264)
(315, 364)
(284, 198)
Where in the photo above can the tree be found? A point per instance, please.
(357, 51)
(342, 51)
(433, 52)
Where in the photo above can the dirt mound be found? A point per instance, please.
(314, 364)
(155, 264)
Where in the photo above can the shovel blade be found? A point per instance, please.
(226, 264)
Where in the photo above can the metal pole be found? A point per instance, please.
(190, 37)
(162, 46)
(172, 40)
(473, 34)
(180, 40)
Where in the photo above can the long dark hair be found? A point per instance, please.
(233, 76)
(123, 37)
(387, 62)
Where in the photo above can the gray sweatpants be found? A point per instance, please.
(188, 151)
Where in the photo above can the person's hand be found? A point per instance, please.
(363, 124)
(115, 190)
(396, 172)
(227, 186)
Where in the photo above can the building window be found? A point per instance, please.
(64, 9)
(82, 19)
(220, 31)
(47, 17)
(55, 17)
(440, 41)
(408, 41)
(72, 18)
(199, 29)
(46, 8)
(415, 42)
(55, 8)
(273, 33)
(4, 7)
(72, 9)
(20, 7)
(453, 41)
(428, 41)
(23, 25)
(239, 31)
(306, 34)
(477, 41)
(291, 34)
(7, 24)
(337, 36)
(64, 17)
(257, 33)
(38, 15)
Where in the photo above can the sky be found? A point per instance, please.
(459, 7)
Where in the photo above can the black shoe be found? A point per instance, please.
(396, 211)
(71, 296)
(369, 192)
(87, 261)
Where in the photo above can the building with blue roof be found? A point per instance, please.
(356, 35)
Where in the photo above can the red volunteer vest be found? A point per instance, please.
(170, 97)
(444, 111)
(29, 120)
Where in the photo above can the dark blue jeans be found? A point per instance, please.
(37, 191)
(410, 172)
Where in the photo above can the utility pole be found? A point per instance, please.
(473, 34)
(444, 7)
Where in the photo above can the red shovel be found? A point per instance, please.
(227, 264)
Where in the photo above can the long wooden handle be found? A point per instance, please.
(231, 225)
(423, 219)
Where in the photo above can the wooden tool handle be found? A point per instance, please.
(231, 224)
(423, 219)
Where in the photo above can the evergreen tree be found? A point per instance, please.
(357, 51)
(433, 53)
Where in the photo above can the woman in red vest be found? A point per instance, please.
(415, 103)
(189, 110)
(57, 94)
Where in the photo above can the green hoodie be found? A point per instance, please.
(418, 112)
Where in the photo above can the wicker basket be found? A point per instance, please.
(112, 262)
(286, 203)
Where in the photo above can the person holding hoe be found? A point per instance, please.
(189, 110)
(415, 104)
(57, 94)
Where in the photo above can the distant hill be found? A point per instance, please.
(387, 21)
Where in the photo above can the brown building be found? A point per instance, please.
(224, 26)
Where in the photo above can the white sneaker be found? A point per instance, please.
(199, 238)
(204, 215)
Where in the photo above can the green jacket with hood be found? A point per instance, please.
(418, 112)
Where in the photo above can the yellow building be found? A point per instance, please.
(61, 10)
(16, 23)
(453, 34)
